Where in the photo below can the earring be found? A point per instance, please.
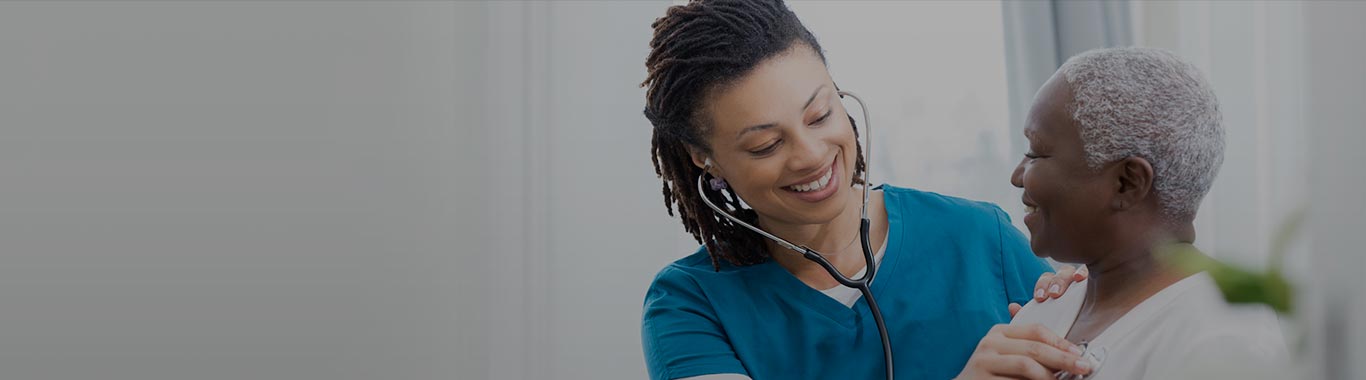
(718, 184)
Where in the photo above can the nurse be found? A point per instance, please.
(741, 89)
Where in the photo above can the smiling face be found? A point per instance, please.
(1067, 202)
(782, 140)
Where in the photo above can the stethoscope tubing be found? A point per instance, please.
(863, 283)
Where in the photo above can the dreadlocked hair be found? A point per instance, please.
(696, 48)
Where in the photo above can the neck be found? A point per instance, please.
(1136, 270)
(837, 240)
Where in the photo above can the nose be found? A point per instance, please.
(809, 153)
(1017, 177)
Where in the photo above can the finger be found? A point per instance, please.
(1039, 286)
(1065, 282)
(1036, 332)
(1016, 366)
(1065, 270)
(1082, 273)
(1059, 286)
(1014, 309)
(1045, 354)
(1059, 283)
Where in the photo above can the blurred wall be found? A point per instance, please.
(239, 190)
(578, 226)
(415, 190)
(1253, 53)
(1336, 83)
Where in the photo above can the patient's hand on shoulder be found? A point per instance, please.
(1053, 285)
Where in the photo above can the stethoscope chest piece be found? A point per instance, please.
(1097, 357)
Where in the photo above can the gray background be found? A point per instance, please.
(246, 190)
(440, 189)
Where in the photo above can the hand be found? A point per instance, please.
(1053, 285)
(1023, 351)
(1048, 282)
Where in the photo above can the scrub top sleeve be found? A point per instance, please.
(1022, 268)
(679, 332)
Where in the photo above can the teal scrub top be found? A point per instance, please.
(950, 267)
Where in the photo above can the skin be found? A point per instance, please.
(783, 124)
(1069, 217)
(1108, 219)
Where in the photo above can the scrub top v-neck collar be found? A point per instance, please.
(837, 312)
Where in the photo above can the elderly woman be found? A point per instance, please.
(1123, 144)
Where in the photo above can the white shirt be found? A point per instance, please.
(1185, 331)
(848, 295)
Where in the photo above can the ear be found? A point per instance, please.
(1134, 183)
(699, 158)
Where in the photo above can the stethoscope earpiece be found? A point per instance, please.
(862, 283)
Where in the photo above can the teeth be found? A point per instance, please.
(815, 185)
(1030, 209)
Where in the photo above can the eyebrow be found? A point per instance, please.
(761, 127)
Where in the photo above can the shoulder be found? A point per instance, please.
(698, 264)
(940, 206)
(692, 274)
(1055, 314)
(1217, 325)
(676, 293)
(926, 212)
(1241, 345)
(698, 260)
(951, 229)
(1201, 305)
(682, 273)
(1204, 328)
(681, 330)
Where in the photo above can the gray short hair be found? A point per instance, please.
(1149, 103)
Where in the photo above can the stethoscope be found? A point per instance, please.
(861, 283)
(1096, 354)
